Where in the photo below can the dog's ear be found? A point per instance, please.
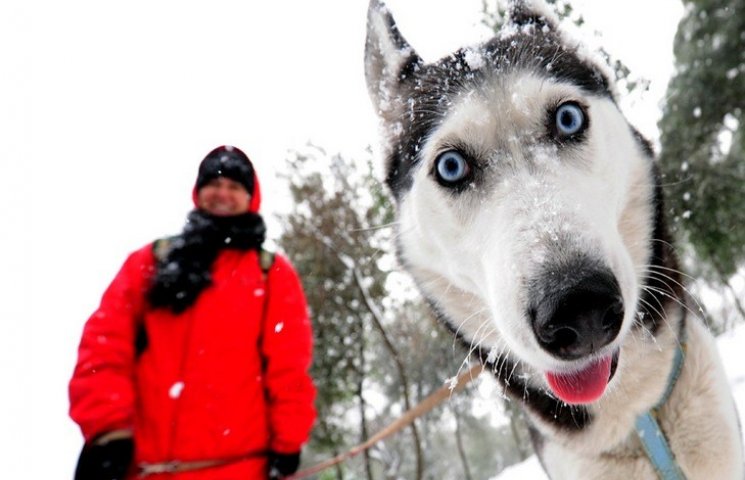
(524, 13)
(389, 60)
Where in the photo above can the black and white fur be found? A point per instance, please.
(539, 221)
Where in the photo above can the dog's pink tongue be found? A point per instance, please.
(584, 386)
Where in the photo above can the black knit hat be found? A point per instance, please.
(226, 161)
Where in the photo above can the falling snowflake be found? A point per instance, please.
(175, 390)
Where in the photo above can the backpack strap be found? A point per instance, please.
(266, 260)
(161, 248)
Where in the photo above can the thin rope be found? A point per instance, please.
(409, 416)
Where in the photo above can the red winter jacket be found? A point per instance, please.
(217, 381)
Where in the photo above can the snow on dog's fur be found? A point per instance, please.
(530, 215)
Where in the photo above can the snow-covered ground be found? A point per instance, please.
(733, 357)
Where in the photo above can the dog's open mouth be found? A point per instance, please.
(586, 385)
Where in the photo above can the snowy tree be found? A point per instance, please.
(333, 238)
(703, 139)
(318, 235)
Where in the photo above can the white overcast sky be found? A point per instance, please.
(106, 109)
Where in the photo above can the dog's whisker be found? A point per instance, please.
(664, 278)
(672, 270)
(659, 309)
(467, 319)
(475, 341)
(672, 297)
(645, 306)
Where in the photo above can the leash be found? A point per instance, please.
(648, 429)
(409, 416)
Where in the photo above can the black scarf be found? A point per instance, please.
(185, 271)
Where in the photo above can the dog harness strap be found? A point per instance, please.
(650, 434)
(657, 449)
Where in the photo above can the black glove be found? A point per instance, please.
(108, 461)
(282, 464)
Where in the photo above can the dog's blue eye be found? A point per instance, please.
(570, 119)
(451, 167)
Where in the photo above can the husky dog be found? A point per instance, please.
(530, 215)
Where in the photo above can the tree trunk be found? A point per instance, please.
(363, 422)
(736, 300)
(726, 283)
(461, 449)
(334, 452)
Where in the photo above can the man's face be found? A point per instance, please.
(223, 197)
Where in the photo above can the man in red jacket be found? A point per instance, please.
(195, 365)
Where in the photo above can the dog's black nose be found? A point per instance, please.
(574, 320)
